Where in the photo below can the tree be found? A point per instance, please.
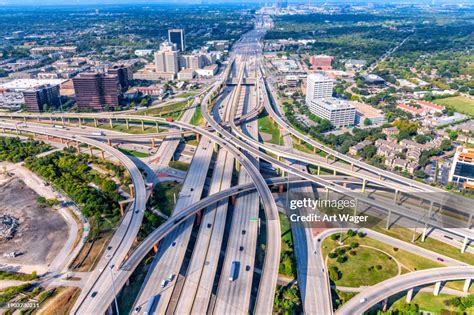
(367, 122)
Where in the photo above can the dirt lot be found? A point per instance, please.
(41, 233)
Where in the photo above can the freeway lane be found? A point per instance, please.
(100, 280)
(376, 293)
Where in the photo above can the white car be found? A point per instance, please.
(163, 283)
(362, 300)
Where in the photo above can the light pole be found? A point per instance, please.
(113, 288)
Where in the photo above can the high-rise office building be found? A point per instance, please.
(176, 36)
(166, 59)
(318, 86)
(38, 98)
(96, 90)
(124, 75)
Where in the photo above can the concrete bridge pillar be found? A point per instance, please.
(111, 123)
(143, 125)
(237, 165)
(464, 245)
(335, 173)
(216, 147)
(51, 120)
(363, 184)
(425, 229)
(388, 219)
(467, 284)
(102, 153)
(327, 158)
(356, 206)
(352, 167)
(233, 198)
(78, 148)
(95, 122)
(109, 142)
(152, 142)
(327, 193)
(127, 124)
(37, 119)
(319, 170)
(157, 125)
(132, 190)
(80, 122)
(198, 137)
(121, 208)
(91, 150)
(24, 119)
(62, 120)
(437, 288)
(409, 295)
(315, 150)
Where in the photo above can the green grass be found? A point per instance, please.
(342, 297)
(10, 275)
(162, 197)
(197, 118)
(182, 166)
(458, 104)
(359, 269)
(121, 127)
(287, 258)
(430, 244)
(187, 94)
(171, 110)
(426, 301)
(134, 153)
(266, 126)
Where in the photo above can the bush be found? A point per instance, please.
(353, 253)
(341, 259)
(332, 255)
(351, 233)
(335, 237)
(354, 245)
(340, 251)
(334, 274)
(395, 249)
(361, 234)
(378, 267)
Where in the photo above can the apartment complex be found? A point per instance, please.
(96, 90)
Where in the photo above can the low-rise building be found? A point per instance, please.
(207, 72)
(391, 131)
(339, 112)
(364, 111)
(462, 168)
(356, 149)
(186, 74)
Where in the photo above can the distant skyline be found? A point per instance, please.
(111, 2)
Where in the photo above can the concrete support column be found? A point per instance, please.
(319, 169)
(388, 219)
(62, 120)
(51, 120)
(78, 148)
(425, 229)
(109, 142)
(233, 198)
(315, 150)
(356, 206)
(95, 122)
(437, 288)
(152, 142)
(102, 153)
(216, 147)
(363, 184)
(395, 198)
(127, 124)
(121, 208)
(155, 248)
(409, 295)
(143, 125)
(24, 119)
(327, 158)
(80, 122)
(37, 119)
(132, 190)
(466, 286)
(335, 173)
(157, 126)
(111, 123)
(464, 245)
(237, 165)
(327, 193)
(198, 137)
(352, 167)
(91, 150)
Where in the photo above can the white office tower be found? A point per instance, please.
(166, 59)
(339, 112)
(318, 86)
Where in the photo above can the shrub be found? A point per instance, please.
(395, 249)
(334, 273)
(332, 255)
(340, 251)
(353, 253)
(351, 233)
(335, 237)
(341, 259)
(354, 245)
(361, 234)
(378, 267)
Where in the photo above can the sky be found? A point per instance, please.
(43, 2)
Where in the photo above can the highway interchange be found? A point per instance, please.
(229, 144)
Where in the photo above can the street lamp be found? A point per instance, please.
(113, 288)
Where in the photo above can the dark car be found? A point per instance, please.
(241, 248)
(247, 268)
(94, 294)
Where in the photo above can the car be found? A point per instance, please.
(247, 268)
(94, 294)
(173, 244)
(170, 277)
(137, 211)
(241, 248)
(138, 309)
(163, 283)
(109, 247)
(362, 300)
(243, 232)
(440, 259)
(209, 225)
